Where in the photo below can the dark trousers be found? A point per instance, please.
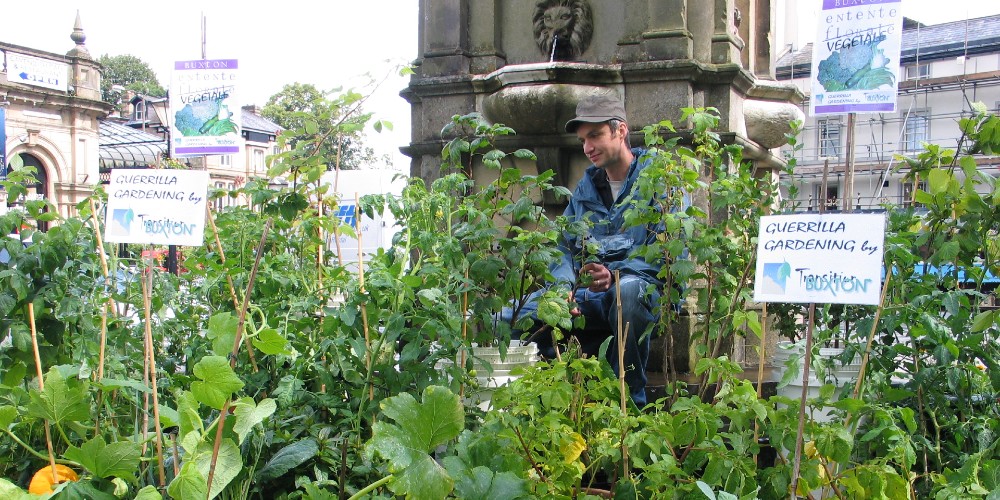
(639, 311)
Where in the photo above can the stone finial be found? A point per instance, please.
(78, 37)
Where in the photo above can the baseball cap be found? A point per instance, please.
(597, 108)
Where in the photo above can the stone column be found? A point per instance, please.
(668, 36)
(485, 37)
(726, 46)
(760, 53)
(444, 37)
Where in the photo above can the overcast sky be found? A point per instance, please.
(328, 44)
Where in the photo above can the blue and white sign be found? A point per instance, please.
(162, 207)
(37, 71)
(821, 258)
(856, 57)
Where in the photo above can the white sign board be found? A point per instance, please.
(375, 232)
(822, 258)
(37, 71)
(163, 207)
(855, 62)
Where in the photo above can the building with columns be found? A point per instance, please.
(56, 122)
(52, 105)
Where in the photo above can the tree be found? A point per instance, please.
(338, 116)
(130, 72)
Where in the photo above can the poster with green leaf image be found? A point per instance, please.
(204, 110)
(856, 57)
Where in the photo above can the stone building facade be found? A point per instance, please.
(51, 123)
(506, 59)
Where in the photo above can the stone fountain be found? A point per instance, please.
(526, 63)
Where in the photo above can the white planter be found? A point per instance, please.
(493, 372)
(829, 371)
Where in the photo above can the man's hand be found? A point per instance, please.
(574, 309)
(601, 277)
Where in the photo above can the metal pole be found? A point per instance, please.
(849, 167)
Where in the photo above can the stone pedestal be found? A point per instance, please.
(526, 64)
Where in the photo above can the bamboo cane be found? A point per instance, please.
(107, 281)
(465, 330)
(364, 311)
(761, 356)
(797, 464)
(233, 354)
(41, 388)
(147, 285)
(229, 280)
(622, 333)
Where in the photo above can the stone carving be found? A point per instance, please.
(563, 28)
(767, 122)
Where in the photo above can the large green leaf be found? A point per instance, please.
(187, 412)
(148, 493)
(10, 491)
(94, 489)
(418, 429)
(227, 466)
(7, 416)
(59, 402)
(218, 381)
(481, 482)
(188, 484)
(249, 414)
(222, 331)
(286, 459)
(269, 341)
(15, 372)
(110, 384)
(118, 459)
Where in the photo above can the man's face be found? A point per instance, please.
(602, 146)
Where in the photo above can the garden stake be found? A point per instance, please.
(760, 371)
(147, 285)
(802, 401)
(868, 347)
(364, 305)
(236, 349)
(107, 282)
(621, 342)
(41, 388)
(229, 280)
(465, 330)
(622, 334)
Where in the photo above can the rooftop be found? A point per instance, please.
(122, 146)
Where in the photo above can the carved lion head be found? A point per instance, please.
(563, 28)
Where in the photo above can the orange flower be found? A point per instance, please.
(41, 482)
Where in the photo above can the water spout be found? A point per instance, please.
(555, 40)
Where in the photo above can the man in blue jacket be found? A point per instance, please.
(602, 197)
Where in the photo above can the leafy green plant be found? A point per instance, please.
(281, 373)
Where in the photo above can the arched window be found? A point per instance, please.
(39, 190)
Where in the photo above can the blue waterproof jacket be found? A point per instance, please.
(616, 244)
